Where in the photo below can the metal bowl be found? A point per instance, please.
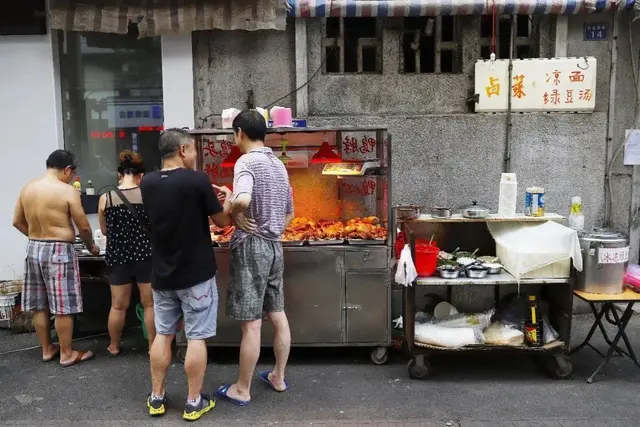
(494, 268)
(448, 273)
(408, 212)
(477, 272)
(440, 212)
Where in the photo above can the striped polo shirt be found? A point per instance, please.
(264, 177)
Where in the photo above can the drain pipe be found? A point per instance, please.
(509, 118)
(611, 120)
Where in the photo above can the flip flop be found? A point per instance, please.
(264, 376)
(222, 391)
(56, 353)
(80, 358)
(111, 354)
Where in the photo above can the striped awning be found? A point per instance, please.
(158, 17)
(402, 8)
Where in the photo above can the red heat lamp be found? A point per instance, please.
(325, 155)
(232, 158)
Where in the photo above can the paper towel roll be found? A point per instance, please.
(508, 197)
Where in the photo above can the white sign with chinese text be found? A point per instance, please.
(557, 84)
(297, 159)
(613, 255)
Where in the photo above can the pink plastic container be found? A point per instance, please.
(281, 117)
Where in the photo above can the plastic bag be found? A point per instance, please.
(447, 337)
(500, 334)
(406, 270)
(548, 333)
(466, 320)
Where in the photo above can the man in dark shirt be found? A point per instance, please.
(179, 201)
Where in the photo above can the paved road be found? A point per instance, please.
(328, 388)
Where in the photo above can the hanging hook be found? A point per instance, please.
(586, 62)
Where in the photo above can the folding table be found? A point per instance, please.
(610, 313)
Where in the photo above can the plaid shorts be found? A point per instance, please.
(256, 287)
(52, 278)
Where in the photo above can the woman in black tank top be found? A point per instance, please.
(128, 254)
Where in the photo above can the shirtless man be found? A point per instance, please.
(43, 213)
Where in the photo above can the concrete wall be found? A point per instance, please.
(454, 156)
(32, 128)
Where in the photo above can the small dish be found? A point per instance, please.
(477, 272)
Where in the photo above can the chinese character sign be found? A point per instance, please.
(214, 151)
(359, 145)
(559, 84)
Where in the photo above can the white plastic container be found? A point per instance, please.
(508, 198)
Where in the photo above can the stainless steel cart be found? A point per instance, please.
(335, 295)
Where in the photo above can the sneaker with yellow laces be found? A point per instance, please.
(193, 411)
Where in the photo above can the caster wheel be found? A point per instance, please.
(379, 355)
(181, 354)
(417, 371)
(559, 366)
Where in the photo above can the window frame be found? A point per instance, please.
(363, 42)
(532, 40)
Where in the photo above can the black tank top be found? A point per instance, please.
(127, 241)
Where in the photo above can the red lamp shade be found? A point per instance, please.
(232, 158)
(325, 155)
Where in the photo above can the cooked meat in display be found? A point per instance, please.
(303, 228)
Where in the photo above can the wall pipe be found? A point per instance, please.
(611, 156)
(509, 118)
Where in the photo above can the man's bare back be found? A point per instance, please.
(46, 208)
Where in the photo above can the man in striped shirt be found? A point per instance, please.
(262, 193)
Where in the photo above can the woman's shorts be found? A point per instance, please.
(133, 272)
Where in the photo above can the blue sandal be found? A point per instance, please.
(264, 376)
(222, 391)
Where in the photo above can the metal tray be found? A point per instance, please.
(359, 242)
(326, 242)
(292, 242)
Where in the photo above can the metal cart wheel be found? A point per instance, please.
(559, 366)
(379, 355)
(419, 368)
(181, 354)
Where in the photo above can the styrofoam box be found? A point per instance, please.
(557, 270)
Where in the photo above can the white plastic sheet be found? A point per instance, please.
(447, 337)
(536, 245)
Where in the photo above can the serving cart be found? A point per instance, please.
(459, 232)
(337, 293)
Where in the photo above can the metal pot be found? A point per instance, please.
(408, 212)
(440, 212)
(605, 255)
(474, 211)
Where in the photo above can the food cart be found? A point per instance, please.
(457, 232)
(337, 254)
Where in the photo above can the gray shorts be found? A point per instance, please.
(256, 270)
(198, 305)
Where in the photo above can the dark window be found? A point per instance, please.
(430, 45)
(525, 41)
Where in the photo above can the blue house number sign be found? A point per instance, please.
(596, 32)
